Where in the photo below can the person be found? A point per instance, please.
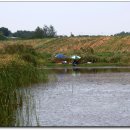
(74, 63)
(64, 62)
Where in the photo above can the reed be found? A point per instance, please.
(12, 77)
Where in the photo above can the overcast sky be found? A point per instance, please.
(77, 17)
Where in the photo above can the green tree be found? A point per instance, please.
(71, 35)
(38, 33)
(45, 31)
(2, 37)
(51, 31)
(5, 31)
(123, 34)
(24, 34)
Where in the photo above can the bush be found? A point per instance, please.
(89, 58)
(103, 59)
(46, 56)
(125, 59)
(115, 59)
(87, 50)
(105, 54)
(110, 57)
(18, 48)
(2, 37)
(29, 58)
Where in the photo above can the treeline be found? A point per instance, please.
(117, 34)
(123, 34)
(45, 32)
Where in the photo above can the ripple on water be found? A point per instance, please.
(88, 99)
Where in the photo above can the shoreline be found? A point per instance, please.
(94, 66)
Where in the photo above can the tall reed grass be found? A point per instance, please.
(12, 77)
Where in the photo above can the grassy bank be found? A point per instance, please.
(99, 50)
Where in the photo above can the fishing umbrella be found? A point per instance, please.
(60, 56)
(75, 57)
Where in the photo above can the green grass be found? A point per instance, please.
(12, 77)
(107, 49)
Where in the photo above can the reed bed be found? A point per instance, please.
(12, 77)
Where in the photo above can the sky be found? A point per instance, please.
(80, 18)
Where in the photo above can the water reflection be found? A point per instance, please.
(76, 72)
(79, 70)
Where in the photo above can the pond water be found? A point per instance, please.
(80, 97)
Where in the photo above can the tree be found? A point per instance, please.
(51, 31)
(45, 31)
(5, 31)
(71, 35)
(24, 34)
(2, 37)
(122, 34)
(1, 33)
(38, 33)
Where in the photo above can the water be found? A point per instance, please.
(83, 97)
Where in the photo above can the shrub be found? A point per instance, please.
(105, 54)
(18, 48)
(125, 59)
(89, 58)
(29, 58)
(115, 59)
(103, 59)
(87, 50)
(2, 37)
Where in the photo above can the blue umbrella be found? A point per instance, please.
(60, 56)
